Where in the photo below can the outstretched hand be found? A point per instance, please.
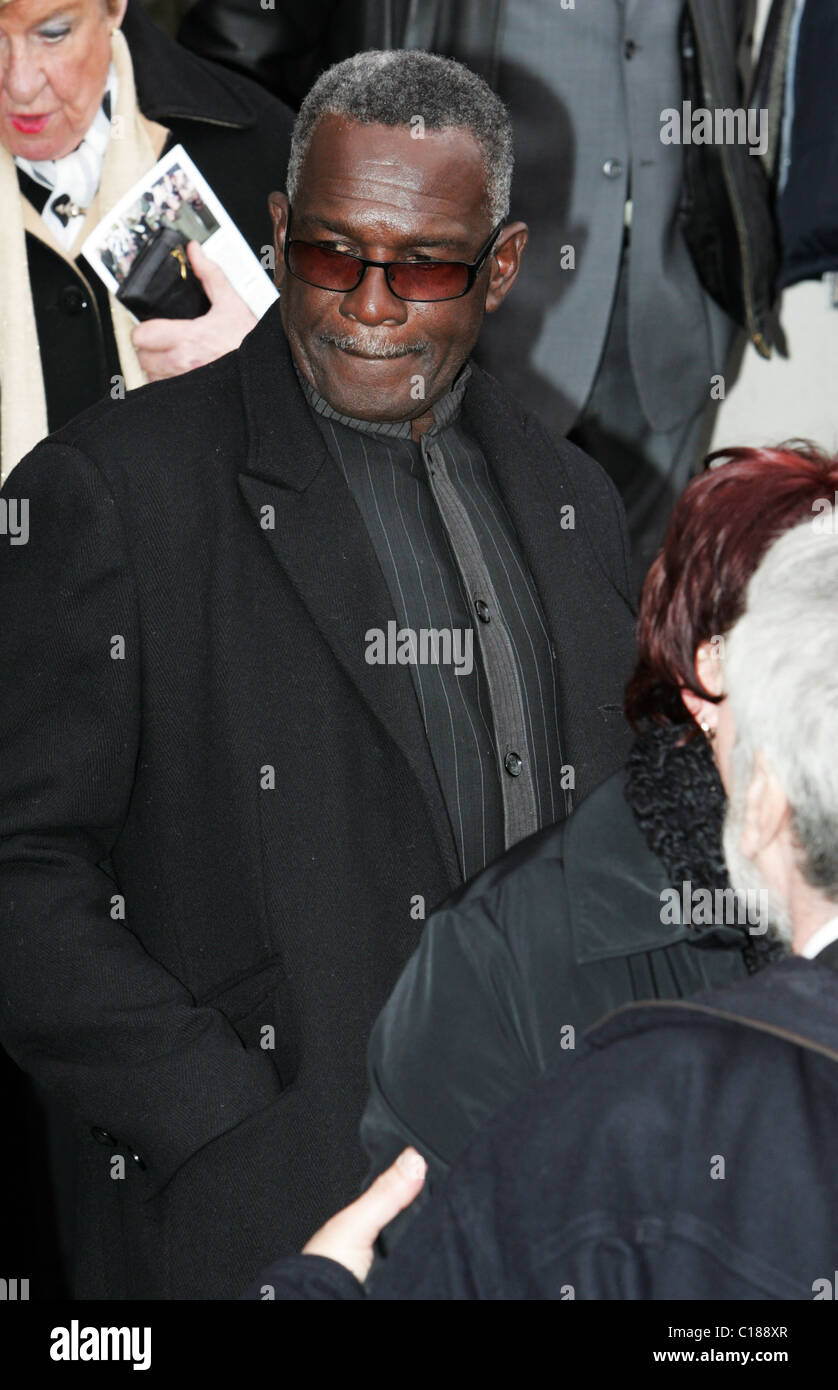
(168, 347)
(349, 1236)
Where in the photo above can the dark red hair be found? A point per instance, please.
(719, 531)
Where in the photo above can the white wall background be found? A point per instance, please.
(777, 399)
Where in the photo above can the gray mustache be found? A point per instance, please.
(373, 347)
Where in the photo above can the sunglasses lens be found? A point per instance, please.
(328, 270)
(334, 270)
(428, 280)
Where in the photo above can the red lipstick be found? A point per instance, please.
(30, 125)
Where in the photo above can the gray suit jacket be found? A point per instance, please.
(587, 119)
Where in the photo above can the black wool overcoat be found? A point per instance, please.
(215, 816)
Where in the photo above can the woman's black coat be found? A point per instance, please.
(238, 136)
(516, 966)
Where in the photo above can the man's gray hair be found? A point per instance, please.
(781, 675)
(398, 86)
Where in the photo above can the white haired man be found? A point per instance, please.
(664, 1167)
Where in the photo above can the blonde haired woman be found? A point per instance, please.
(91, 95)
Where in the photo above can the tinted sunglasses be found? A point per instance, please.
(422, 282)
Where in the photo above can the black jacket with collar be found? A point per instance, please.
(238, 136)
(515, 967)
(690, 1153)
(212, 831)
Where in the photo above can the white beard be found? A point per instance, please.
(746, 878)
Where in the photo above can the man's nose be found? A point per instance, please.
(20, 75)
(373, 302)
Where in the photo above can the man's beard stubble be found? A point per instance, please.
(373, 344)
(745, 877)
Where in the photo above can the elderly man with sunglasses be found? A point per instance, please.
(300, 642)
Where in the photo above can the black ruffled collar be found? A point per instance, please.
(676, 795)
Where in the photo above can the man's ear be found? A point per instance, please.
(505, 263)
(278, 208)
(766, 811)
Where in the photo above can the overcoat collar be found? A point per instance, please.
(793, 1000)
(307, 515)
(616, 887)
(171, 82)
(320, 541)
(559, 529)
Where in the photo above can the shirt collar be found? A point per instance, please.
(444, 411)
(820, 939)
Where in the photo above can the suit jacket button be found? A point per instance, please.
(102, 1137)
(72, 300)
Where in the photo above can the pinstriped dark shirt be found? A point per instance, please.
(487, 684)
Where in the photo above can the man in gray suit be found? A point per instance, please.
(614, 338)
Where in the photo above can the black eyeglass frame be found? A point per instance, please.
(472, 268)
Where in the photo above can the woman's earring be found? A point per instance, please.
(708, 730)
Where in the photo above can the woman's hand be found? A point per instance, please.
(167, 347)
(350, 1236)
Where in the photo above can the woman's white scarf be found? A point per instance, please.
(134, 147)
(75, 176)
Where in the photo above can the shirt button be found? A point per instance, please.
(139, 1162)
(72, 300)
(513, 764)
(612, 168)
(481, 608)
(630, 48)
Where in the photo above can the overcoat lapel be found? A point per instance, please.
(580, 601)
(317, 535)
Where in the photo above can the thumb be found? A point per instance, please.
(211, 276)
(391, 1192)
(350, 1235)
